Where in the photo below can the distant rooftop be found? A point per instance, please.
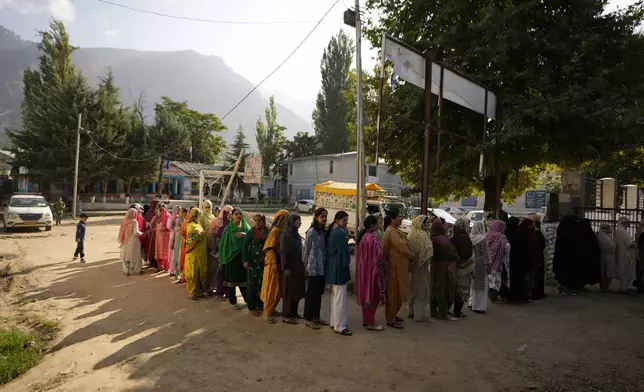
(336, 156)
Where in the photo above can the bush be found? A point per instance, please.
(19, 351)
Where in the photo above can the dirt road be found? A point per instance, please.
(140, 333)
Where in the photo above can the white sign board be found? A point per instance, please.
(253, 170)
(410, 66)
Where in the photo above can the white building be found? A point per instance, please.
(304, 173)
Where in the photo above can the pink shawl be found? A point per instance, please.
(369, 275)
(126, 225)
(496, 241)
(170, 223)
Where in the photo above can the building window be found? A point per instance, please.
(290, 190)
(331, 167)
(290, 169)
(373, 171)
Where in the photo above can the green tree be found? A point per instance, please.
(270, 139)
(330, 116)
(168, 136)
(569, 75)
(55, 94)
(302, 145)
(203, 129)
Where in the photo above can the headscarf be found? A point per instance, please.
(194, 231)
(512, 228)
(230, 246)
(444, 250)
(164, 216)
(528, 235)
(478, 232)
(225, 217)
(462, 240)
(290, 240)
(151, 212)
(606, 243)
(126, 225)
(207, 216)
(173, 218)
(496, 241)
(420, 242)
(279, 222)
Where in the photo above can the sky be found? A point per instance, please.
(252, 50)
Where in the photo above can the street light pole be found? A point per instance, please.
(78, 129)
(361, 202)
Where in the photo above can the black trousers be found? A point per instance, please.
(458, 307)
(289, 308)
(80, 249)
(231, 293)
(313, 299)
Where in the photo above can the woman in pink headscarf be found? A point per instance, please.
(128, 238)
(170, 226)
(162, 240)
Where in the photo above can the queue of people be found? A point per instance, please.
(214, 253)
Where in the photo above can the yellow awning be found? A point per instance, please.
(344, 188)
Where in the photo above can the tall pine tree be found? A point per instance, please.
(55, 94)
(331, 112)
(270, 139)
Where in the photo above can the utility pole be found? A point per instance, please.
(352, 18)
(361, 201)
(78, 130)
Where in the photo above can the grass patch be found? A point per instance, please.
(45, 328)
(19, 351)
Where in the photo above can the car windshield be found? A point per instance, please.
(28, 202)
(477, 216)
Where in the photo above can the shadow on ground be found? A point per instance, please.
(170, 343)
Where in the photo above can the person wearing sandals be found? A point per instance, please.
(271, 279)
(442, 273)
(230, 257)
(465, 267)
(195, 261)
(337, 272)
(420, 242)
(395, 246)
(129, 234)
(371, 275)
(293, 280)
(315, 255)
(253, 258)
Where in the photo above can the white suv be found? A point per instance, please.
(27, 211)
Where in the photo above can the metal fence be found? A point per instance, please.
(597, 216)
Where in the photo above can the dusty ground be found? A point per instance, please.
(140, 333)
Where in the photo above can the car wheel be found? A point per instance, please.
(48, 228)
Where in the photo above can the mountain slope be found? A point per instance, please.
(206, 82)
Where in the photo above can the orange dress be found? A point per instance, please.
(184, 232)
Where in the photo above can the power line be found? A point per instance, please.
(117, 157)
(203, 20)
(283, 62)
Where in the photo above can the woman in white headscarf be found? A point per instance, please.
(479, 285)
(420, 243)
(608, 249)
(626, 253)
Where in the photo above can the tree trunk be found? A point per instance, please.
(104, 187)
(160, 183)
(489, 187)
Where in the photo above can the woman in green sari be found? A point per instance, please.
(230, 257)
(253, 258)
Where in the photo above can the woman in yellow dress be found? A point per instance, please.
(196, 256)
(271, 280)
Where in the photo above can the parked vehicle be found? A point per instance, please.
(27, 210)
(455, 211)
(305, 205)
(340, 196)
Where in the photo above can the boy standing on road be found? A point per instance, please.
(80, 238)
